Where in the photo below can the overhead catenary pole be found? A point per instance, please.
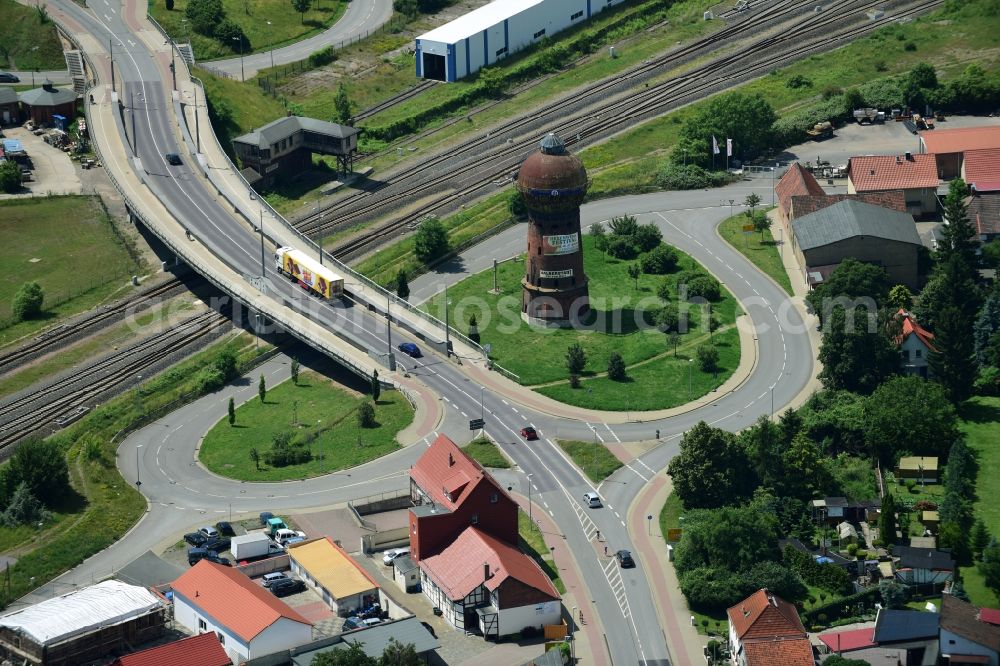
(197, 128)
(262, 270)
(388, 323)
(447, 326)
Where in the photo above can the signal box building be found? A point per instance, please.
(491, 33)
(284, 147)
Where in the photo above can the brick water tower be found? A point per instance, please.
(553, 183)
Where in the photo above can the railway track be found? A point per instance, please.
(813, 33)
(394, 100)
(62, 400)
(87, 324)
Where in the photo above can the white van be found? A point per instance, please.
(592, 500)
(273, 578)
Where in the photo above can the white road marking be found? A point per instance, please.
(612, 433)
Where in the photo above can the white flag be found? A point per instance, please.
(729, 147)
(715, 146)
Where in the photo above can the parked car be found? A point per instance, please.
(286, 587)
(265, 516)
(209, 531)
(173, 158)
(7, 77)
(529, 433)
(218, 559)
(274, 577)
(592, 500)
(625, 559)
(393, 553)
(355, 622)
(409, 349)
(195, 538)
(219, 544)
(196, 555)
(225, 529)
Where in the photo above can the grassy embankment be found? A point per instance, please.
(538, 356)
(760, 249)
(533, 543)
(592, 457)
(315, 407)
(29, 39)
(486, 453)
(980, 417)
(105, 505)
(268, 24)
(70, 247)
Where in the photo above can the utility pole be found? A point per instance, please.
(197, 129)
(388, 323)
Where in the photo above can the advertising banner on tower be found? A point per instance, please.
(561, 244)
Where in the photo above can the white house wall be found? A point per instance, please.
(954, 644)
(468, 55)
(513, 620)
(188, 616)
(283, 634)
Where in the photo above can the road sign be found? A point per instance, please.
(476, 424)
(748, 228)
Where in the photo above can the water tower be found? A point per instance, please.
(552, 183)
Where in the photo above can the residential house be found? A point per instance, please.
(948, 146)
(200, 650)
(923, 566)
(765, 630)
(335, 576)
(916, 344)
(922, 468)
(914, 633)
(834, 510)
(990, 616)
(846, 534)
(10, 112)
(984, 213)
(450, 491)
(284, 147)
(981, 169)
(463, 536)
(870, 234)
(965, 637)
(249, 621)
(41, 104)
(796, 182)
(915, 175)
(83, 625)
(860, 644)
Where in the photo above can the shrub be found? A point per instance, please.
(366, 415)
(210, 379)
(616, 367)
(28, 301)
(10, 176)
(205, 15)
(673, 176)
(228, 31)
(431, 241)
(322, 57)
(708, 358)
(647, 237)
(660, 260)
(704, 286)
(620, 247)
(169, 5)
(798, 81)
(24, 508)
(285, 452)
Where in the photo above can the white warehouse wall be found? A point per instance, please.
(465, 48)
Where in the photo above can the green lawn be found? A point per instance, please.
(980, 417)
(486, 453)
(537, 356)
(69, 246)
(253, 16)
(28, 41)
(320, 406)
(670, 514)
(760, 250)
(592, 457)
(533, 543)
(236, 107)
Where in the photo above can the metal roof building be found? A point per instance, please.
(489, 34)
(375, 640)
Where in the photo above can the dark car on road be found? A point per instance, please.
(195, 538)
(283, 588)
(225, 529)
(625, 559)
(7, 77)
(173, 158)
(529, 433)
(409, 349)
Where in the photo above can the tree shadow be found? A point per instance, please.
(979, 412)
(71, 502)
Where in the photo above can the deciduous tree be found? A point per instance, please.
(294, 371)
(343, 108)
(576, 359)
(909, 413)
(616, 367)
(366, 415)
(851, 280)
(302, 6)
(711, 469)
(856, 352)
(402, 284)
(634, 272)
(430, 241)
(28, 301)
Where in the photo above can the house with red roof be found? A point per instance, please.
(916, 344)
(950, 146)
(463, 537)
(915, 175)
(984, 213)
(797, 182)
(965, 637)
(765, 630)
(247, 620)
(981, 169)
(200, 650)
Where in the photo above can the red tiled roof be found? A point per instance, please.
(779, 652)
(233, 600)
(989, 615)
(891, 199)
(200, 650)
(911, 327)
(845, 641)
(892, 172)
(796, 182)
(764, 615)
(458, 569)
(984, 212)
(444, 469)
(982, 168)
(961, 139)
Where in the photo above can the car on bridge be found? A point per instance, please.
(409, 349)
(173, 158)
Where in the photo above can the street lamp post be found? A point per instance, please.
(447, 326)
(197, 127)
(137, 481)
(690, 373)
(772, 400)
(572, 634)
(272, 46)
(243, 77)
(263, 272)
(530, 518)
(111, 52)
(34, 64)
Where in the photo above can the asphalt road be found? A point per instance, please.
(361, 18)
(182, 494)
(60, 77)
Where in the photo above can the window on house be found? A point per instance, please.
(905, 354)
(222, 639)
(494, 498)
(201, 625)
(540, 33)
(919, 353)
(475, 519)
(575, 16)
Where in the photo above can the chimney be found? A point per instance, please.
(899, 160)
(451, 460)
(909, 156)
(486, 571)
(872, 172)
